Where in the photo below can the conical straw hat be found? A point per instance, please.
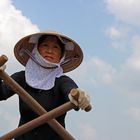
(73, 52)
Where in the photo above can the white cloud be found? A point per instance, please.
(9, 115)
(125, 10)
(94, 71)
(119, 37)
(87, 132)
(103, 71)
(13, 26)
(113, 32)
(134, 60)
(127, 78)
(134, 113)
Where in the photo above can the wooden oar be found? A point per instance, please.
(38, 121)
(37, 108)
(32, 102)
(41, 120)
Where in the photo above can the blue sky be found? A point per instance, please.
(108, 33)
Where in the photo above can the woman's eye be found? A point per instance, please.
(44, 44)
(56, 46)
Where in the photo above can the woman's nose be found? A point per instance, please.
(49, 49)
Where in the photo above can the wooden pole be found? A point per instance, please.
(38, 121)
(45, 116)
(32, 102)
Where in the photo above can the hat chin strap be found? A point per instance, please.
(35, 55)
(31, 55)
(68, 60)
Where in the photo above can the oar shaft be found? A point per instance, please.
(32, 102)
(38, 121)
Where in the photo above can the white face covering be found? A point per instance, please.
(38, 75)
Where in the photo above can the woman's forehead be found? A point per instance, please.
(51, 38)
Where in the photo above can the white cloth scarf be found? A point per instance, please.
(39, 77)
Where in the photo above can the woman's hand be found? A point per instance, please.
(3, 67)
(83, 100)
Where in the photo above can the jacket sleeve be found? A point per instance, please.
(66, 84)
(5, 90)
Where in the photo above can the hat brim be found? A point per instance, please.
(74, 55)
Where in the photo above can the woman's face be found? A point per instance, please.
(50, 49)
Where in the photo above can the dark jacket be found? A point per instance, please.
(48, 99)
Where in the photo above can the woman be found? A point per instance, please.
(46, 57)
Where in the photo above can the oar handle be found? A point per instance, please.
(3, 59)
